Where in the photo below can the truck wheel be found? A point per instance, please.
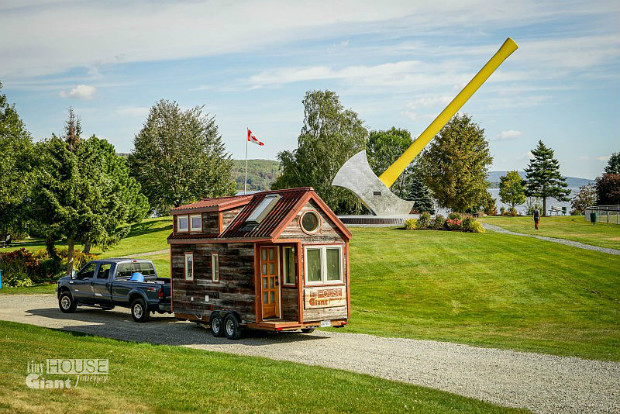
(139, 311)
(66, 303)
(217, 325)
(231, 327)
(307, 330)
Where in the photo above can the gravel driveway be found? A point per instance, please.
(541, 383)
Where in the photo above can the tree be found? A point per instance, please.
(455, 165)
(416, 191)
(608, 189)
(179, 157)
(511, 189)
(584, 198)
(83, 192)
(544, 178)
(613, 165)
(17, 160)
(383, 148)
(329, 136)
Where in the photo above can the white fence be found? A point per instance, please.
(604, 214)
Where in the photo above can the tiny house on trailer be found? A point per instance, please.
(274, 260)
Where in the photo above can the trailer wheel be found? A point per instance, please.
(139, 311)
(307, 330)
(231, 327)
(66, 303)
(217, 325)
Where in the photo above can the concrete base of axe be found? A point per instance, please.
(357, 176)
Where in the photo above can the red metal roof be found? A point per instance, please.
(290, 202)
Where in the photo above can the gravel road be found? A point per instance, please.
(541, 383)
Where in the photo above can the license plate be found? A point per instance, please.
(326, 324)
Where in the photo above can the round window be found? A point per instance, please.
(310, 221)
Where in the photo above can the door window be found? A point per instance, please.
(88, 271)
(104, 271)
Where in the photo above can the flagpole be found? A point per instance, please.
(245, 183)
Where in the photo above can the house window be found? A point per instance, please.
(323, 264)
(215, 267)
(289, 266)
(310, 222)
(189, 266)
(182, 224)
(195, 222)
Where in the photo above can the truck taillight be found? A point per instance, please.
(160, 294)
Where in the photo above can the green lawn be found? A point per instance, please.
(146, 378)
(486, 289)
(574, 228)
(147, 236)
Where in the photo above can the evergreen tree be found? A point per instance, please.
(179, 157)
(455, 165)
(329, 136)
(511, 189)
(416, 191)
(17, 159)
(543, 177)
(613, 165)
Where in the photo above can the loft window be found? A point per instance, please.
(310, 222)
(195, 222)
(263, 208)
(182, 224)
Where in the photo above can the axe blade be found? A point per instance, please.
(357, 176)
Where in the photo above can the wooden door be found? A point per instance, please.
(270, 281)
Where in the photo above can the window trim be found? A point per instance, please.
(285, 268)
(215, 276)
(179, 230)
(190, 223)
(301, 222)
(323, 257)
(186, 254)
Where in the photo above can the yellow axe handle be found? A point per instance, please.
(391, 174)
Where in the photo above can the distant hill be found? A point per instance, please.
(261, 173)
(573, 182)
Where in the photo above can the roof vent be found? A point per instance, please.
(263, 208)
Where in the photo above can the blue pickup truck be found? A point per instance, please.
(116, 282)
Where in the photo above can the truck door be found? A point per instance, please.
(81, 286)
(102, 284)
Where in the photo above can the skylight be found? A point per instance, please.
(263, 208)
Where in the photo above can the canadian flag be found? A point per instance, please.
(253, 139)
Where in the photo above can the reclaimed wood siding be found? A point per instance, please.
(235, 289)
(210, 223)
(290, 305)
(328, 233)
(229, 215)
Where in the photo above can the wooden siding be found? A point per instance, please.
(210, 223)
(328, 233)
(229, 215)
(235, 289)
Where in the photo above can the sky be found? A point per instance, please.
(250, 63)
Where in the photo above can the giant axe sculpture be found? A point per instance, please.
(357, 176)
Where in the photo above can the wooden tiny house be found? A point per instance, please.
(276, 260)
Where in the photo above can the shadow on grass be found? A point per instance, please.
(148, 227)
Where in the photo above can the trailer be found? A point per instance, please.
(274, 260)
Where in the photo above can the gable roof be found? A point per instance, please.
(271, 226)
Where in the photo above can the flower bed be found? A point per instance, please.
(454, 222)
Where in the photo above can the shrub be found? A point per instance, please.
(466, 223)
(455, 216)
(454, 224)
(19, 267)
(502, 210)
(425, 220)
(476, 227)
(411, 224)
(439, 222)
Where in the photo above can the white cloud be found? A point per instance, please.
(79, 92)
(603, 158)
(509, 134)
(134, 111)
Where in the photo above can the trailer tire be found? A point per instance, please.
(231, 327)
(307, 330)
(66, 303)
(217, 325)
(139, 312)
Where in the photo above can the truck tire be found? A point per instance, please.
(66, 303)
(307, 330)
(231, 327)
(139, 311)
(217, 325)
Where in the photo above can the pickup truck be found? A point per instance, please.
(116, 282)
